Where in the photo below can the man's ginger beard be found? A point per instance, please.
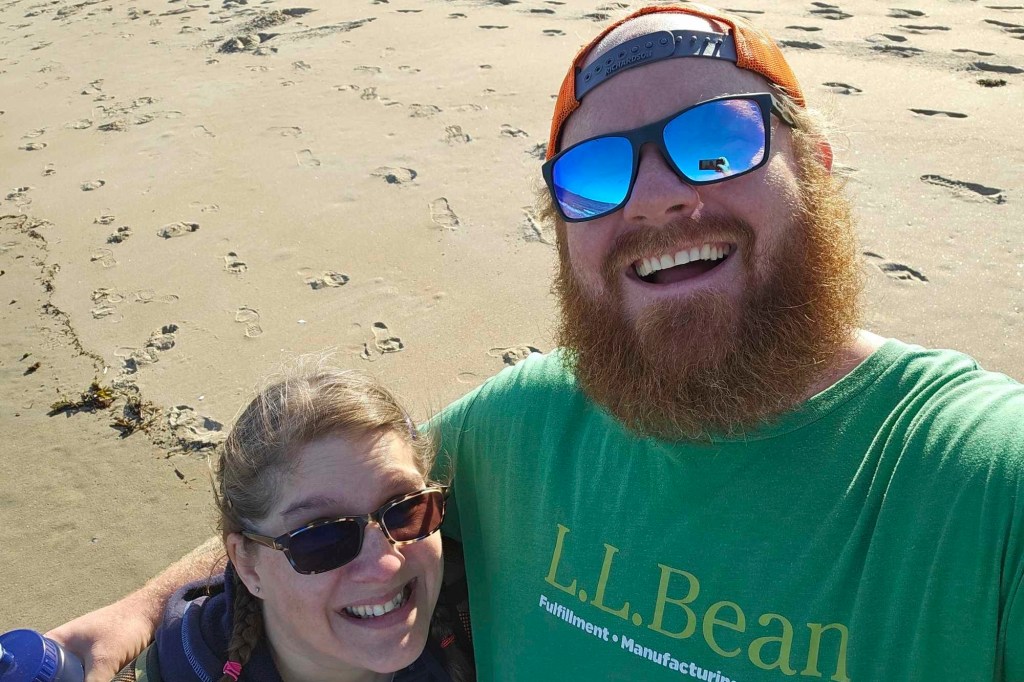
(706, 366)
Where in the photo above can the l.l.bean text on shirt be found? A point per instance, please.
(718, 617)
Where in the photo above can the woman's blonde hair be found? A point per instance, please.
(306, 404)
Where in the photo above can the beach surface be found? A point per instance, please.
(192, 192)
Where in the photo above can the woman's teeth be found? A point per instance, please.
(374, 610)
(648, 266)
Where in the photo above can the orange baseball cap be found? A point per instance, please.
(748, 46)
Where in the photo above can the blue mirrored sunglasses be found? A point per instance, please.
(711, 141)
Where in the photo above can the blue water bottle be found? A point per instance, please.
(27, 656)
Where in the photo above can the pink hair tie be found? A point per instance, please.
(233, 669)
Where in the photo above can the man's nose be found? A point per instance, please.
(659, 194)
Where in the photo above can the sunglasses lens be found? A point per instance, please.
(717, 139)
(415, 518)
(326, 547)
(593, 178)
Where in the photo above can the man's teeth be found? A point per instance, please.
(647, 266)
(374, 610)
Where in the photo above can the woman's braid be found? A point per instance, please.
(247, 626)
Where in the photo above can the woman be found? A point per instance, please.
(330, 528)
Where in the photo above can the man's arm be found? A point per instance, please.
(108, 638)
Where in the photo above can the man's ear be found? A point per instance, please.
(825, 154)
(243, 558)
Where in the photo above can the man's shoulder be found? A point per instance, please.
(956, 404)
(533, 378)
(541, 386)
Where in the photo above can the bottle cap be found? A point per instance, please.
(34, 658)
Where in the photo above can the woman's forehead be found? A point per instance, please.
(354, 472)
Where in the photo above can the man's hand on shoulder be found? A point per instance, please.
(108, 638)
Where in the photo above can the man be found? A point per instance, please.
(717, 475)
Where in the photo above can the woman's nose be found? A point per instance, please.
(378, 559)
(659, 194)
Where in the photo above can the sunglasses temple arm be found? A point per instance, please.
(264, 540)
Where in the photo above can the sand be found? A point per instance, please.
(190, 191)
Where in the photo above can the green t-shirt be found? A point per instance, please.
(876, 533)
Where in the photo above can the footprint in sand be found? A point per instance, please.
(233, 264)
(991, 82)
(936, 112)
(176, 229)
(105, 219)
(250, 317)
(885, 38)
(897, 13)
(598, 16)
(898, 50)
(542, 10)
(204, 208)
(826, 11)
(423, 110)
(19, 196)
(118, 126)
(104, 257)
(996, 68)
(492, 27)
(329, 279)
(306, 159)
(1015, 30)
(122, 234)
(965, 50)
(104, 311)
(33, 146)
(346, 88)
(513, 354)
(538, 151)
(967, 190)
(160, 341)
(49, 170)
(918, 29)
(395, 176)
(32, 134)
(534, 230)
(897, 271)
(441, 214)
(553, 32)
(510, 131)
(454, 135)
(809, 29)
(801, 44)
(80, 124)
(843, 88)
(369, 93)
(202, 131)
(93, 185)
(149, 296)
(286, 131)
(194, 431)
(384, 341)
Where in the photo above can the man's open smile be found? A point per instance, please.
(686, 263)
